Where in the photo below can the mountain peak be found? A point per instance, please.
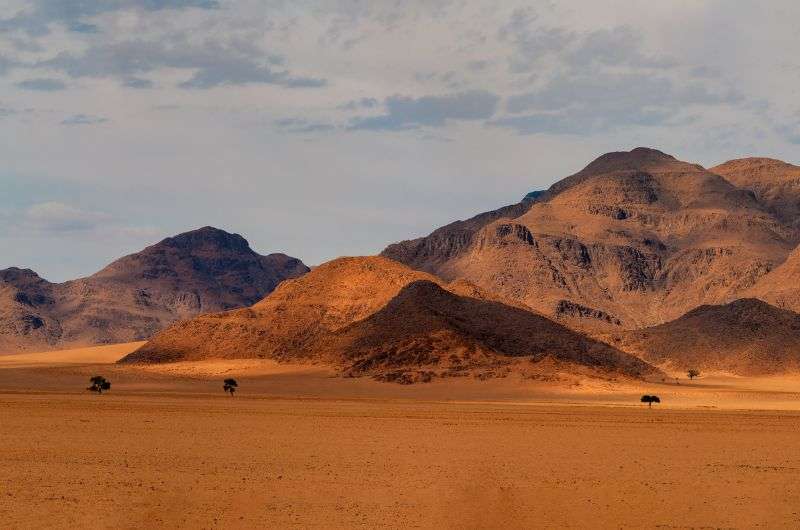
(17, 275)
(753, 162)
(207, 236)
(638, 158)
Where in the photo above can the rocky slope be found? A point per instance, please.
(781, 287)
(201, 271)
(773, 182)
(634, 239)
(374, 316)
(429, 252)
(745, 337)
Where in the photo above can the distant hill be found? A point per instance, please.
(775, 184)
(373, 316)
(131, 299)
(634, 239)
(745, 337)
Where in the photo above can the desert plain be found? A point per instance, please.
(298, 446)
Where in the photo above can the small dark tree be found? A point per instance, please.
(693, 373)
(230, 386)
(650, 400)
(98, 383)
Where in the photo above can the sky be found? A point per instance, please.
(331, 128)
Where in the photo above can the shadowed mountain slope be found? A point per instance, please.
(745, 337)
(137, 295)
(374, 316)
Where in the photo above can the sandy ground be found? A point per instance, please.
(297, 447)
(89, 355)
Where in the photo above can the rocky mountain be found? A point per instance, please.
(781, 287)
(25, 302)
(205, 270)
(632, 240)
(374, 316)
(429, 252)
(745, 337)
(774, 183)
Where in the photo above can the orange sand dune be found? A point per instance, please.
(89, 355)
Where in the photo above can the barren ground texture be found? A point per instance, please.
(297, 447)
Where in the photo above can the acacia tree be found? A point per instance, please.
(650, 400)
(230, 385)
(98, 383)
(692, 373)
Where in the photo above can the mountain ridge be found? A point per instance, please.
(134, 296)
(635, 238)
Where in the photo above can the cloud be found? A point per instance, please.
(213, 63)
(362, 103)
(405, 112)
(790, 130)
(83, 119)
(42, 84)
(531, 43)
(479, 65)
(245, 72)
(301, 126)
(71, 13)
(137, 82)
(83, 27)
(6, 64)
(619, 46)
(588, 103)
(60, 217)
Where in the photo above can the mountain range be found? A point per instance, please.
(205, 270)
(637, 262)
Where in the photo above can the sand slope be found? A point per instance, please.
(89, 355)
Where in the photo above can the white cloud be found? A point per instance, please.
(56, 216)
(83, 119)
